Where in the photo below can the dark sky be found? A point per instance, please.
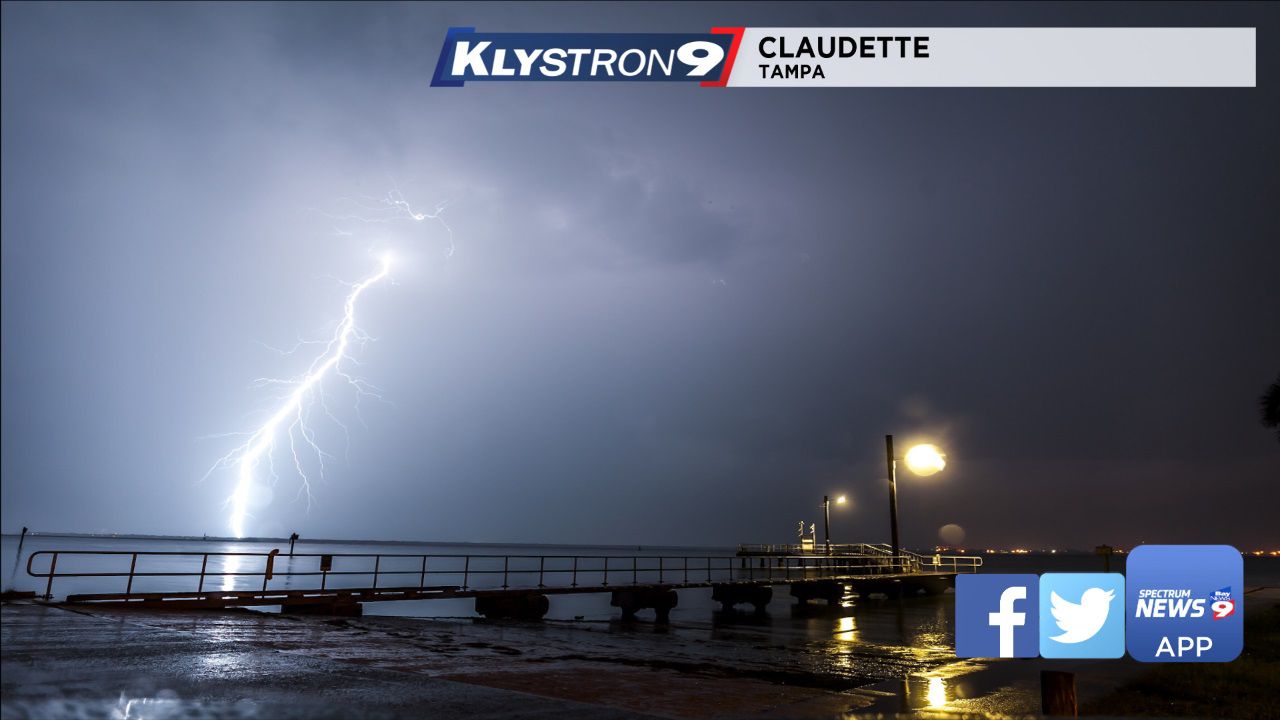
(674, 315)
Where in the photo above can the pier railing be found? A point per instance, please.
(200, 572)
(818, 549)
(908, 559)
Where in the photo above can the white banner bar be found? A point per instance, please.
(996, 57)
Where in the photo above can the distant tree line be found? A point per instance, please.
(1269, 407)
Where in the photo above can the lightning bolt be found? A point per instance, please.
(290, 419)
(389, 208)
(291, 415)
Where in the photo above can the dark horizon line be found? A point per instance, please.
(223, 538)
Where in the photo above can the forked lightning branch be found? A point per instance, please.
(289, 430)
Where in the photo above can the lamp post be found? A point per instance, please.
(826, 517)
(922, 460)
(893, 492)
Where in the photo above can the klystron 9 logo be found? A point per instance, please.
(468, 55)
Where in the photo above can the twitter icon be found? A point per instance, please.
(1082, 615)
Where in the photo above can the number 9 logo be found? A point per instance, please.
(702, 55)
(1222, 608)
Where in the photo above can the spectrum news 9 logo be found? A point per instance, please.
(468, 55)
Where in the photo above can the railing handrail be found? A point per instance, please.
(816, 549)
(670, 569)
(843, 550)
(198, 553)
(977, 559)
(844, 560)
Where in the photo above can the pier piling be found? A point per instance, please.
(515, 606)
(830, 590)
(729, 595)
(661, 599)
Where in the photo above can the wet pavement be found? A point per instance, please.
(120, 663)
(60, 663)
(859, 659)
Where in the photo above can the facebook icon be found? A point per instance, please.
(997, 616)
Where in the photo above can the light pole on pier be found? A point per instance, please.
(923, 460)
(826, 517)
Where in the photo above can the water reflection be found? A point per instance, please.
(845, 658)
(936, 695)
(231, 564)
(165, 705)
(846, 629)
(919, 692)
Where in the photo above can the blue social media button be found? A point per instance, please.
(1082, 615)
(997, 616)
(1184, 603)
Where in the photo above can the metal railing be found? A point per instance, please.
(946, 563)
(467, 574)
(818, 549)
(913, 562)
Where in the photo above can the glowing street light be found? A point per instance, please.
(826, 517)
(924, 460)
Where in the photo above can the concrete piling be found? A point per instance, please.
(830, 590)
(660, 598)
(516, 606)
(729, 595)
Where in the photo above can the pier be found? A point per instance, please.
(503, 586)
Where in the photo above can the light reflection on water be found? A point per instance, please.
(846, 629)
(843, 654)
(231, 564)
(937, 693)
(165, 705)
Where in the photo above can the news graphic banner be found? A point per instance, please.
(861, 57)
(1174, 603)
